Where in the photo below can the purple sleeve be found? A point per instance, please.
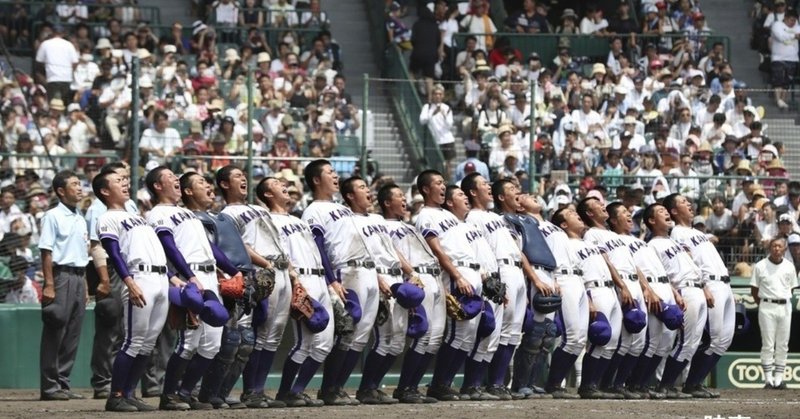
(174, 256)
(112, 248)
(222, 261)
(319, 239)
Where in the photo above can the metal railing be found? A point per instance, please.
(146, 13)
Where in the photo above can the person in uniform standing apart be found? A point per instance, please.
(771, 286)
(64, 243)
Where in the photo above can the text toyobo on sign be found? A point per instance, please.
(748, 373)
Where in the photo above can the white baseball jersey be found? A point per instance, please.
(496, 232)
(677, 262)
(589, 258)
(123, 226)
(408, 241)
(611, 244)
(483, 250)
(558, 242)
(773, 281)
(97, 209)
(296, 238)
(247, 219)
(375, 233)
(452, 234)
(701, 250)
(342, 240)
(644, 257)
(190, 235)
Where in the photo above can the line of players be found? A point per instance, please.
(343, 254)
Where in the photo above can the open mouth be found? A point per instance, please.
(243, 187)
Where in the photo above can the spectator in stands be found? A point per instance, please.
(72, 12)
(314, 17)
(784, 47)
(9, 211)
(594, 23)
(175, 38)
(478, 22)
(281, 148)
(528, 20)
(396, 30)
(438, 116)
(250, 15)
(767, 225)
(471, 163)
(568, 22)
(58, 57)
(227, 16)
(282, 14)
(506, 146)
(20, 162)
(161, 142)
(22, 289)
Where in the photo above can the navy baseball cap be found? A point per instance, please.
(671, 315)
(634, 319)
(487, 324)
(471, 304)
(192, 298)
(407, 295)
(417, 323)
(214, 313)
(175, 296)
(352, 305)
(319, 320)
(599, 330)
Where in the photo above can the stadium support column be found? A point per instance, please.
(364, 112)
(135, 105)
(250, 135)
(532, 142)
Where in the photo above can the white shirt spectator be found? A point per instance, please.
(479, 25)
(283, 11)
(84, 74)
(168, 141)
(588, 26)
(6, 218)
(58, 56)
(439, 119)
(784, 42)
(24, 295)
(772, 18)
(72, 13)
(79, 136)
(227, 14)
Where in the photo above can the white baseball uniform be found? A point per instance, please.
(684, 275)
(296, 238)
(347, 253)
(141, 250)
(256, 227)
(485, 348)
(508, 256)
(620, 256)
(574, 312)
(408, 241)
(774, 283)
(721, 317)
(192, 242)
(455, 238)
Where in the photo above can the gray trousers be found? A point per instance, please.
(153, 378)
(107, 334)
(61, 330)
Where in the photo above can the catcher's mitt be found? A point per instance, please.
(454, 309)
(301, 307)
(264, 281)
(384, 311)
(233, 287)
(494, 289)
(180, 318)
(342, 321)
(414, 279)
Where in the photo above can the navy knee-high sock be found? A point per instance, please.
(560, 363)
(421, 370)
(333, 364)
(650, 371)
(607, 379)
(288, 374)
(388, 361)
(455, 366)
(137, 369)
(249, 373)
(120, 372)
(372, 366)
(601, 367)
(471, 370)
(499, 365)
(696, 368)
(172, 375)
(443, 360)
(624, 369)
(411, 363)
(304, 376)
(350, 360)
(262, 372)
(588, 369)
(672, 369)
(635, 377)
(194, 372)
(711, 362)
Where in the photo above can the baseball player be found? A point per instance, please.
(721, 304)
(619, 258)
(108, 296)
(348, 268)
(410, 243)
(691, 296)
(309, 350)
(188, 250)
(447, 238)
(537, 264)
(597, 278)
(771, 287)
(136, 254)
(645, 259)
(574, 312)
(262, 240)
(390, 337)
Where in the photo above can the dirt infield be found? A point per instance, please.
(746, 403)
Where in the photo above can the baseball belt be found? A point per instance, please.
(156, 269)
(430, 270)
(722, 278)
(69, 269)
(599, 284)
(360, 264)
(202, 267)
(660, 279)
(695, 284)
(473, 266)
(631, 277)
(388, 271)
(576, 272)
(773, 301)
(513, 262)
(541, 267)
(310, 271)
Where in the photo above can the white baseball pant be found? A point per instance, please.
(461, 333)
(364, 282)
(307, 344)
(142, 325)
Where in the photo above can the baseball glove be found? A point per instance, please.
(342, 321)
(414, 279)
(494, 289)
(233, 287)
(383, 311)
(264, 282)
(180, 318)
(454, 309)
(301, 307)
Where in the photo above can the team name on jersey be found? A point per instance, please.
(613, 244)
(182, 216)
(493, 225)
(447, 224)
(340, 213)
(635, 246)
(293, 228)
(697, 239)
(473, 235)
(401, 232)
(133, 222)
(588, 251)
(673, 251)
(249, 215)
(369, 230)
(548, 229)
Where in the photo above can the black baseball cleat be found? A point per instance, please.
(140, 404)
(172, 402)
(118, 403)
(292, 399)
(561, 393)
(698, 392)
(442, 393)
